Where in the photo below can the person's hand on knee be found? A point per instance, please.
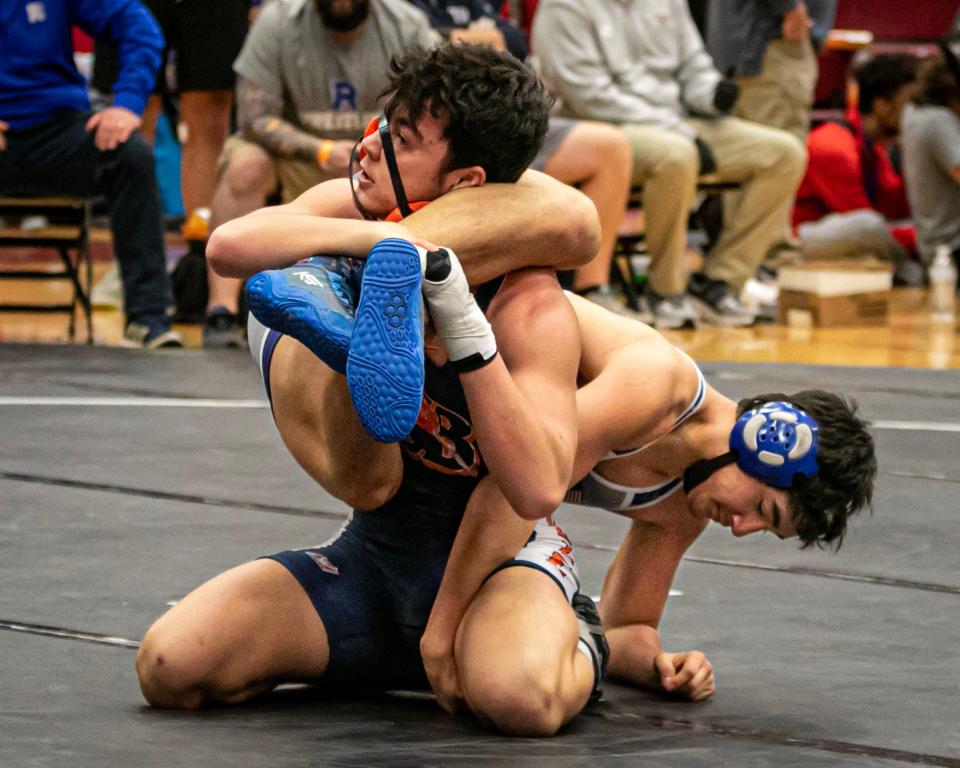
(440, 664)
(113, 126)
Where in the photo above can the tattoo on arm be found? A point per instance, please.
(260, 117)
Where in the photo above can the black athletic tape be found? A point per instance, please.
(474, 362)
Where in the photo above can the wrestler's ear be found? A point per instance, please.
(471, 176)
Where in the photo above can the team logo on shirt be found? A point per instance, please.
(323, 563)
(443, 440)
(36, 12)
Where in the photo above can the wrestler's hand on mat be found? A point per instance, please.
(113, 126)
(441, 668)
(685, 675)
(3, 139)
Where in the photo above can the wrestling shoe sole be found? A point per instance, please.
(295, 312)
(385, 361)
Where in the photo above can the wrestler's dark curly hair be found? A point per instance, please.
(881, 76)
(494, 107)
(848, 466)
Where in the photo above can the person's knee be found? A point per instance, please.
(789, 155)
(136, 157)
(520, 698)
(677, 160)
(170, 677)
(250, 170)
(370, 489)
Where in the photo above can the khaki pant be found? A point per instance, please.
(294, 177)
(768, 163)
(781, 96)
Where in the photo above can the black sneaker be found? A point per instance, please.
(716, 303)
(151, 333)
(222, 330)
(591, 635)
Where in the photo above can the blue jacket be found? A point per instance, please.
(38, 79)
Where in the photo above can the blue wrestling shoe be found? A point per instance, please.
(313, 301)
(385, 363)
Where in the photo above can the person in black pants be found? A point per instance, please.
(51, 144)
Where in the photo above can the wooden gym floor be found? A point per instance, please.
(908, 340)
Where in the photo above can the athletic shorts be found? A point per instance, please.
(206, 35)
(557, 131)
(549, 551)
(374, 603)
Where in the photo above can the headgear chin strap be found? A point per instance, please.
(382, 125)
(772, 443)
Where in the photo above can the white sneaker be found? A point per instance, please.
(761, 298)
(108, 292)
(604, 296)
(672, 312)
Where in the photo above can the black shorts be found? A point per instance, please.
(206, 35)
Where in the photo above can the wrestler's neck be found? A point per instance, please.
(707, 433)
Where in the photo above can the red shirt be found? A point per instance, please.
(843, 175)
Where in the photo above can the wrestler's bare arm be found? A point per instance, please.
(498, 228)
(523, 410)
(322, 220)
(523, 403)
(636, 587)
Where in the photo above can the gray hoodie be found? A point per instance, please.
(625, 61)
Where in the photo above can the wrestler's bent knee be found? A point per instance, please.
(517, 705)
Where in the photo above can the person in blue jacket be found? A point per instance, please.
(52, 144)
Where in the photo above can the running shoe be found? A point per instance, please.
(151, 332)
(717, 304)
(313, 302)
(385, 362)
(222, 330)
(671, 312)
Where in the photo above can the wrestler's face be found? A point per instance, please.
(343, 15)
(421, 151)
(742, 503)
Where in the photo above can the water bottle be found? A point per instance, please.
(943, 285)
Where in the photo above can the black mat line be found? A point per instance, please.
(780, 739)
(339, 515)
(603, 710)
(170, 496)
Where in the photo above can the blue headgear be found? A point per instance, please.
(772, 443)
(775, 442)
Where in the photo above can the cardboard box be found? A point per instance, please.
(849, 292)
(806, 309)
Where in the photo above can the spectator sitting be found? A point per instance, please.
(309, 79)
(205, 38)
(474, 21)
(769, 47)
(51, 144)
(520, 13)
(851, 189)
(931, 159)
(642, 64)
(594, 157)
